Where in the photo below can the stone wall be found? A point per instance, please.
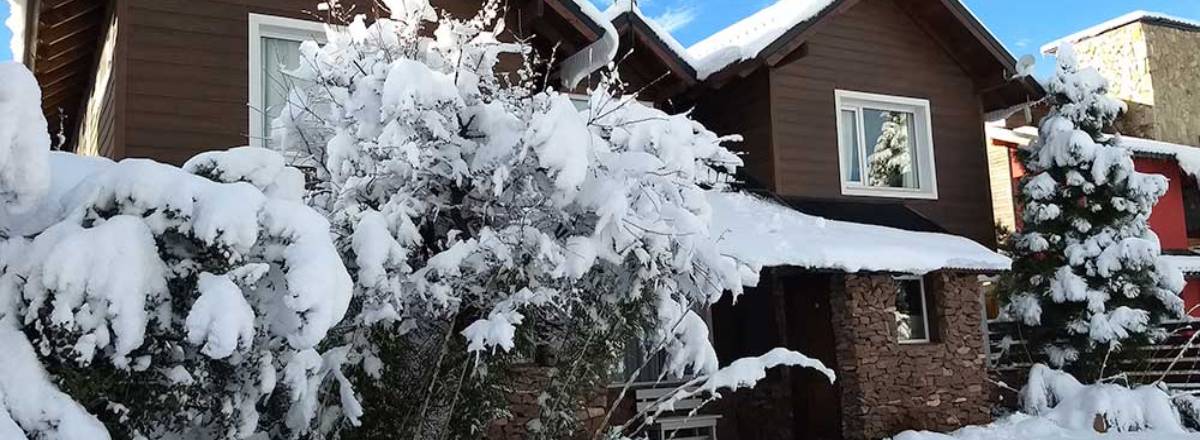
(889, 387)
(1152, 67)
(1175, 67)
(529, 381)
(1122, 56)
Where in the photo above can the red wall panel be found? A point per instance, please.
(1167, 220)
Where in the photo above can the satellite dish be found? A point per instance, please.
(1025, 66)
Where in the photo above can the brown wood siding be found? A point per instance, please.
(188, 74)
(744, 108)
(876, 47)
(188, 77)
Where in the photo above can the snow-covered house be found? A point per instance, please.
(863, 126)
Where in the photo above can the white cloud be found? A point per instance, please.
(676, 18)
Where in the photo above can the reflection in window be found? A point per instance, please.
(279, 56)
(912, 313)
(892, 162)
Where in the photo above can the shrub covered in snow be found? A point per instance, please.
(159, 300)
(1087, 276)
(1055, 406)
(489, 223)
(1059, 397)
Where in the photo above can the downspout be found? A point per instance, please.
(596, 55)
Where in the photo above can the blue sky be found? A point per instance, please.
(1023, 25)
(5, 35)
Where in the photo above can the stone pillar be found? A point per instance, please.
(888, 387)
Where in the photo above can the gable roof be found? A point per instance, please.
(751, 36)
(1132, 17)
(770, 35)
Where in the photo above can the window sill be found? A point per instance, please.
(861, 191)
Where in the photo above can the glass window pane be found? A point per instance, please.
(279, 55)
(891, 158)
(848, 131)
(910, 311)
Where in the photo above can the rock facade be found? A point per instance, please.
(1174, 63)
(1151, 66)
(886, 386)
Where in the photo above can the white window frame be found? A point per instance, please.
(922, 141)
(271, 26)
(924, 311)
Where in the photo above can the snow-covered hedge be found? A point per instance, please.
(162, 301)
(1056, 406)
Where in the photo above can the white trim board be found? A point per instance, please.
(270, 26)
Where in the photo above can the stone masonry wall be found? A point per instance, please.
(529, 382)
(1175, 68)
(888, 387)
(1122, 56)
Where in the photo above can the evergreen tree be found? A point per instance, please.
(1086, 274)
(892, 158)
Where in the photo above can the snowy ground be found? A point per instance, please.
(1025, 427)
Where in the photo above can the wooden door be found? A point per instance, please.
(816, 403)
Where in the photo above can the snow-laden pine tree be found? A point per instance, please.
(892, 158)
(495, 230)
(138, 300)
(1087, 277)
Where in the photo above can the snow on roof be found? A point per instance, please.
(596, 55)
(762, 233)
(1187, 156)
(1188, 264)
(747, 38)
(1123, 20)
(16, 24)
(622, 6)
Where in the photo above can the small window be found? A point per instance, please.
(912, 311)
(885, 146)
(274, 49)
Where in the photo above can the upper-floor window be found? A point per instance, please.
(274, 49)
(885, 146)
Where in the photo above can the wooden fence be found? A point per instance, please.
(1175, 361)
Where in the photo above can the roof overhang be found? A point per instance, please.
(648, 62)
(62, 40)
(948, 22)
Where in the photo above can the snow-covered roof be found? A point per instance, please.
(620, 7)
(1187, 156)
(1123, 20)
(1189, 264)
(747, 38)
(763, 233)
(595, 55)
